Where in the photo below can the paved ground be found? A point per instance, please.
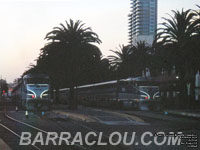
(3, 145)
(85, 120)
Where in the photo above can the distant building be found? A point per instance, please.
(142, 21)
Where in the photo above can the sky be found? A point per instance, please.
(24, 24)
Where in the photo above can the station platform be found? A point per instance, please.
(184, 113)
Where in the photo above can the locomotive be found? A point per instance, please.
(32, 92)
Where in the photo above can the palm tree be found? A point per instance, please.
(141, 57)
(73, 33)
(177, 36)
(178, 31)
(197, 18)
(178, 28)
(196, 44)
(121, 61)
(77, 50)
(131, 61)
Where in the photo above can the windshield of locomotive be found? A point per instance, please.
(149, 87)
(37, 81)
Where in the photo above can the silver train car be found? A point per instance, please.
(140, 93)
(32, 92)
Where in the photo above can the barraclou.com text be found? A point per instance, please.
(92, 138)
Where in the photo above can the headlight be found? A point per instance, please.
(44, 95)
(31, 94)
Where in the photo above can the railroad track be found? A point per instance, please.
(12, 130)
(48, 128)
(76, 126)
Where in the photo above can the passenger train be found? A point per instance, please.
(32, 92)
(140, 93)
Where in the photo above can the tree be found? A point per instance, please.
(141, 57)
(75, 42)
(121, 61)
(131, 61)
(178, 31)
(177, 37)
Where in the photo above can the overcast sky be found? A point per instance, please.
(25, 23)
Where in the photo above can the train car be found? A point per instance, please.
(32, 92)
(147, 93)
(141, 93)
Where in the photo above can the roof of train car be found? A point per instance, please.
(139, 79)
(63, 89)
(35, 76)
(29, 76)
(136, 79)
(97, 84)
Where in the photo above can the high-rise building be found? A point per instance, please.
(142, 21)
